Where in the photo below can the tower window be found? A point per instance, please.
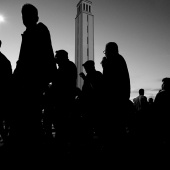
(84, 7)
(87, 8)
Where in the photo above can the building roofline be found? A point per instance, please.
(84, 1)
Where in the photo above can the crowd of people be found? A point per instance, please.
(42, 107)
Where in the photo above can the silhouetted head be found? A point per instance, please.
(61, 56)
(141, 91)
(150, 100)
(166, 83)
(111, 49)
(89, 66)
(29, 15)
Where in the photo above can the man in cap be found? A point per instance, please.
(93, 78)
(92, 93)
(64, 92)
(67, 70)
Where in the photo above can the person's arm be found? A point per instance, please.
(82, 75)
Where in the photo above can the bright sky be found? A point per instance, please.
(2, 19)
(140, 28)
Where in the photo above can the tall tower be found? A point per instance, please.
(84, 36)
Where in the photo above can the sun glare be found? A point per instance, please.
(1, 19)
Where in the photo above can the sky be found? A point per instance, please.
(141, 28)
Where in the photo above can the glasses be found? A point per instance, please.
(104, 52)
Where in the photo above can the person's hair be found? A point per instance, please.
(166, 83)
(112, 47)
(141, 91)
(90, 65)
(29, 9)
(61, 55)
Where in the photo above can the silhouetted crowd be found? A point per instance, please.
(44, 111)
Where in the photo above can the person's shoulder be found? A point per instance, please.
(164, 93)
(72, 65)
(161, 92)
(1, 54)
(137, 98)
(3, 57)
(4, 60)
(159, 95)
(71, 62)
(142, 96)
(145, 97)
(122, 59)
(42, 26)
(98, 73)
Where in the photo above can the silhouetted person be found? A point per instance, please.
(150, 124)
(5, 88)
(117, 91)
(68, 71)
(150, 105)
(161, 106)
(141, 106)
(115, 72)
(92, 95)
(150, 100)
(140, 102)
(92, 78)
(64, 96)
(129, 130)
(34, 71)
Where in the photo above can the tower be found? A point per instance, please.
(84, 36)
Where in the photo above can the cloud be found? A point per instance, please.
(152, 89)
(135, 91)
(146, 90)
